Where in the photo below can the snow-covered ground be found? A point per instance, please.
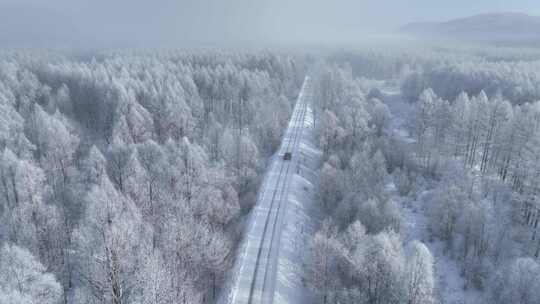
(449, 280)
(300, 222)
(270, 263)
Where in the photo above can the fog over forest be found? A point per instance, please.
(181, 23)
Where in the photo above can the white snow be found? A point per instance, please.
(450, 283)
(300, 223)
(271, 260)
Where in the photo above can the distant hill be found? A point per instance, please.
(485, 27)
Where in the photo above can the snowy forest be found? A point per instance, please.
(136, 176)
(269, 152)
(429, 183)
(129, 176)
(125, 176)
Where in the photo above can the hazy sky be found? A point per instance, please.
(186, 22)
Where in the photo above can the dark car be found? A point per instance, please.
(287, 156)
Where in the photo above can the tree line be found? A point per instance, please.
(484, 153)
(124, 177)
(358, 254)
(474, 153)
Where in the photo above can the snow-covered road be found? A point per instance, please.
(256, 276)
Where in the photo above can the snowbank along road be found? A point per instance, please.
(254, 276)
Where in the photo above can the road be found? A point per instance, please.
(255, 273)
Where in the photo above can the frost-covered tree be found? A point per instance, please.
(380, 116)
(518, 282)
(325, 248)
(138, 138)
(27, 219)
(24, 280)
(420, 282)
(109, 247)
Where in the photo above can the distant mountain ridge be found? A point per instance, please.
(484, 27)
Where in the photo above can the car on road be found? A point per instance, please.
(287, 156)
